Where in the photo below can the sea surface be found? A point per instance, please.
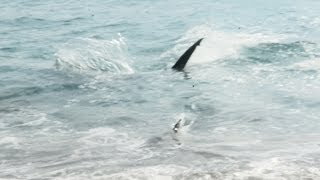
(87, 90)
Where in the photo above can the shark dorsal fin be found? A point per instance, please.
(181, 63)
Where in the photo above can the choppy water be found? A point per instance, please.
(87, 91)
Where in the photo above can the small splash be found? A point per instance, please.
(184, 122)
(94, 55)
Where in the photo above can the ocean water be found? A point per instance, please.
(87, 90)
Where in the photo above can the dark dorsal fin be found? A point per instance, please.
(181, 63)
(176, 126)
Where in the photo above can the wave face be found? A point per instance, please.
(87, 90)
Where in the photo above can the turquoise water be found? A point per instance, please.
(87, 90)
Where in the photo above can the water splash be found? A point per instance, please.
(217, 44)
(94, 55)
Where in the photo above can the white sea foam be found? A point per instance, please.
(160, 172)
(276, 168)
(105, 136)
(311, 64)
